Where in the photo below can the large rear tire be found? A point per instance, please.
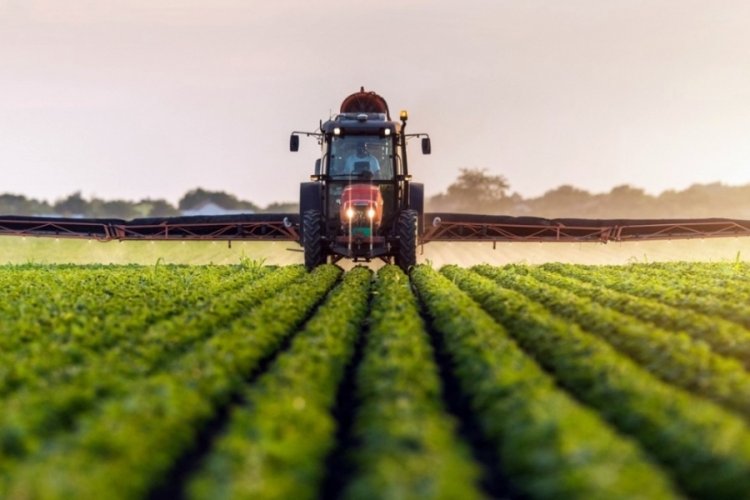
(312, 239)
(406, 228)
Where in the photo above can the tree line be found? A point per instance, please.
(75, 205)
(474, 191)
(477, 191)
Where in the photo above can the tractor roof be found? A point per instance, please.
(360, 124)
(365, 102)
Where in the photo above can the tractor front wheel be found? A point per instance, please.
(406, 229)
(312, 239)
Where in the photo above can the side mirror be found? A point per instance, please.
(426, 146)
(317, 166)
(294, 143)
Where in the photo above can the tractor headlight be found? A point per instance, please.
(371, 213)
(350, 213)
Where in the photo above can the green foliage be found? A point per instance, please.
(254, 264)
(75, 205)
(124, 447)
(552, 446)
(475, 191)
(706, 448)
(585, 382)
(408, 443)
(672, 356)
(724, 337)
(14, 204)
(282, 207)
(277, 440)
(48, 381)
(681, 288)
(197, 197)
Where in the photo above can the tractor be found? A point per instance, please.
(360, 203)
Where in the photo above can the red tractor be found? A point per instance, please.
(361, 203)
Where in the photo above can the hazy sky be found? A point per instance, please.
(151, 98)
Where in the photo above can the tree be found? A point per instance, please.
(282, 207)
(118, 209)
(197, 197)
(474, 191)
(627, 201)
(73, 205)
(564, 201)
(15, 204)
(159, 208)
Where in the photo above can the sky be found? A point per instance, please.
(132, 99)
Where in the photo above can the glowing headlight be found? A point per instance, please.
(350, 213)
(371, 213)
(336, 131)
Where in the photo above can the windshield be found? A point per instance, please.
(361, 157)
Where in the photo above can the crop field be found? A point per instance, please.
(257, 381)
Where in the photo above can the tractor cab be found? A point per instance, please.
(361, 196)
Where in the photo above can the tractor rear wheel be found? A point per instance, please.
(406, 229)
(312, 239)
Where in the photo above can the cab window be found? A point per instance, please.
(361, 156)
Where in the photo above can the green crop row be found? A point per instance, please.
(729, 278)
(407, 444)
(550, 446)
(47, 406)
(47, 306)
(128, 445)
(724, 337)
(671, 356)
(228, 381)
(706, 448)
(88, 328)
(49, 403)
(40, 306)
(276, 441)
(679, 291)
